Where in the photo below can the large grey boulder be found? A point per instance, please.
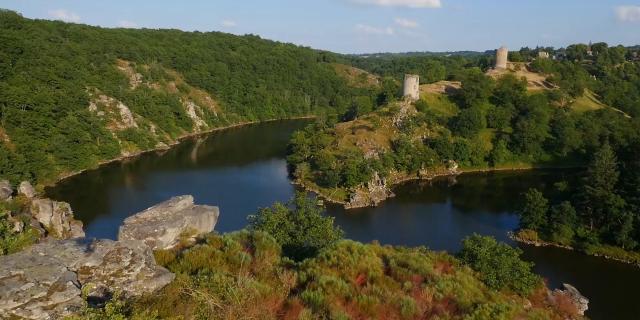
(46, 280)
(25, 188)
(56, 218)
(5, 190)
(162, 226)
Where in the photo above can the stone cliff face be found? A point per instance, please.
(56, 278)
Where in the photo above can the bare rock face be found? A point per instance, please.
(5, 190)
(46, 280)
(375, 192)
(581, 302)
(162, 226)
(26, 189)
(128, 267)
(57, 218)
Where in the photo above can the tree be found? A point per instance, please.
(562, 221)
(534, 214)
(299, 226)
(476, 88)
(469, 122)
(499, 265)
(600, 203)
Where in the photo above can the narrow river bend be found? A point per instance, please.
(242, 169)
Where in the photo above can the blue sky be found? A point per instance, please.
(364, 26)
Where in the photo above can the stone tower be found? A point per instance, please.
(502, 57)
(412, 87)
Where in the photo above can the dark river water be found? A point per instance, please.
(242, 169)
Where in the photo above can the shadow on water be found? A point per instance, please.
(242, 169)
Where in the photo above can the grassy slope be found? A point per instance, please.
(244, 275)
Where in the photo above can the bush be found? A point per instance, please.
(299, 227)
(499, 265)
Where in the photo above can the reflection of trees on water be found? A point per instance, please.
(496, 192)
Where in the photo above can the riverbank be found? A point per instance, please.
(398, 179)
(530, 237)
(165, 147)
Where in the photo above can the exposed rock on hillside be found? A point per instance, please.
(56, 218)
(26, 189)
(580, 302)
(194, 112)
(5, 190)
(162, 226)
(117, 113)
(375, 192)
(46, 280)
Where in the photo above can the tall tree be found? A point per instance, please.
(534, 214)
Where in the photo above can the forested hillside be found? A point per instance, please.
(74, 95)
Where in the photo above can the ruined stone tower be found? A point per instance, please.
(412, 87)
(502, 57)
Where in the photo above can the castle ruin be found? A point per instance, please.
(411, 87)
(502, 57)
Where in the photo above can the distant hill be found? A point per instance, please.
(422, 54)
(73, 95)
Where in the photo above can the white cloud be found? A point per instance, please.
(228, 23)
(64, 15)
(406, 23)
(127, 24)
(402, 3)
(370, 30)
(628, 13)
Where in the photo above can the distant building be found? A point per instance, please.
(411, 87)
(543, 54)
(502, 58)
(589, 50)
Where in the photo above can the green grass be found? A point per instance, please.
(612, 252)
(587, 102)
(440, 104)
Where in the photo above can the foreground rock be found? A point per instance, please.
(56, 218)
(46, 280)
(164, 225)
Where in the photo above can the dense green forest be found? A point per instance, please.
(597, 214)
(51, 72)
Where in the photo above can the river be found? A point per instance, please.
(242, 169)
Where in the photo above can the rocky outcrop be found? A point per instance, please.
(56, 278)
(164, 225)
(372, 194)
(193, 110)
(46, 280)
(5, 190)
(580, 302)
(26, 189)
(56, 218)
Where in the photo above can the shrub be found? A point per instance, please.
(299, 227)
(499, 265)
